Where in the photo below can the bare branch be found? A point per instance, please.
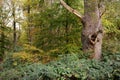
(71, 9)
(101, 14)
(102, 8)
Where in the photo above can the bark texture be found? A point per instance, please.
(92, 31)
(29, 23)
(14, 25)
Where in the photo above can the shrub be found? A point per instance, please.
(69, 67)
(32, 49)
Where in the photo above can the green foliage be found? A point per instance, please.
(4, 40)
(28, 54)
(111, 19)
(56, 36)
(69, 67)
(51, 27)
(70, 48)
(111, 46)
(32, 49)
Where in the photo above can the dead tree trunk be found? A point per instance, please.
(92, 31)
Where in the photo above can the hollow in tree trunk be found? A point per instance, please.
(92, 31)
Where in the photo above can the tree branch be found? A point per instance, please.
(71, 9)
(101, 14)
(102, 8)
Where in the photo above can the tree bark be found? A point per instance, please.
(29, 25)
(66, 26)
(14, 26)
(2, 35)
(92, 31)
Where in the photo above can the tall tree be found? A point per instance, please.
(14, 24)
(28, 23)
(3, 30)
(66, 25)
(1, 33)
(56, 29)
(92, 31)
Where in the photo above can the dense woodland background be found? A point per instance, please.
(41, 40)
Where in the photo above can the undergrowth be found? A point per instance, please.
(68, 67)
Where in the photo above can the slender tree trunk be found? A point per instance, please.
(14, 35)
(92, 31)
(14, 27)
(2, 35)
(29, 26)
(2, 42)
(66, 26)
(2, 51)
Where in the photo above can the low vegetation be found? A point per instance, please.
(41, 40)
(69, 67)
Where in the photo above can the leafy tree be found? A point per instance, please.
(59, 30)
(4, 41)
(111, 19)
(2, 36)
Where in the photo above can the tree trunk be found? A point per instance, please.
(66, 26)
(2, 35)
(14, 35)
(29, 24)
(2, 51)
(92, 31)
(14, 26)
